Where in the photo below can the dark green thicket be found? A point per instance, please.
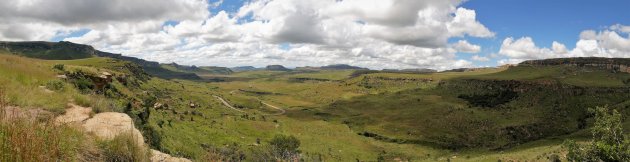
(474, 113)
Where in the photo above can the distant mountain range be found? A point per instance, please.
(67, 51)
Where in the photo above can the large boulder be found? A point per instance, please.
(111, 124)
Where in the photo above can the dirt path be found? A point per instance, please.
(228, 104)
(282, 111)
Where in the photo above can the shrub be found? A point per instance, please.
(609, 143)
(84, 84)
(55, 85)
(227, 153)
(82, 100)
(285, 147)
(59, 67)
(124, 148)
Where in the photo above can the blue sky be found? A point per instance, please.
(544, 20)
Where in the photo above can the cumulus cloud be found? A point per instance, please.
(371, 33)
(464, 46)
(480, 58)
(604, 43)
(465, 23)
(72, 12)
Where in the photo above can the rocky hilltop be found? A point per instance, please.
(614, 64)
(277, 68)
(342, 67)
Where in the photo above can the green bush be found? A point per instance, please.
(228, 153)
(59, 67)
(55, 85)
(84, 84)
(285, 147)
(609, 142)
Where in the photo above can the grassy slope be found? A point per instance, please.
(23, 84)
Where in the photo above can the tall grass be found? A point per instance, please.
(21, 78)
(26, 140)
(23, 139)
(124, 148)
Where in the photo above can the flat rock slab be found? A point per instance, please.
(74, 114)
(162, 157)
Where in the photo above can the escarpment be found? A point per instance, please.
(613, 64)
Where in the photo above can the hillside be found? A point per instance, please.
(342, 67)
(522, 112)
(70, 51)
(202, 70)
(276, 68)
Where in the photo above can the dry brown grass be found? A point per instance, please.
(25, 139)
(22, 139)
(124, 148)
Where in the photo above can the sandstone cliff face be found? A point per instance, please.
(613, 64)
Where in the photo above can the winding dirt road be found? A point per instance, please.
(282, 111)
(228, 104)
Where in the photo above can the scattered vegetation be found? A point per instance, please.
(285, 147)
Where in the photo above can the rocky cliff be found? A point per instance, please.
(613, 64)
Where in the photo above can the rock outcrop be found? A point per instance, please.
(613, 64)
(108, 125)
(162, 157)
(276, 68)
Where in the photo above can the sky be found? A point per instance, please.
(378, 34)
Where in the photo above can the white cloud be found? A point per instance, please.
(620, 28)
(465, 23)
(371, 33)
(558, 48)
(72, 12)
(464, 46)
(605, 43)
(522, 48)
(480, 58)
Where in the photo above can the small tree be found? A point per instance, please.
(285, 147)
(609, 143)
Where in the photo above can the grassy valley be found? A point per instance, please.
(520, 113)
